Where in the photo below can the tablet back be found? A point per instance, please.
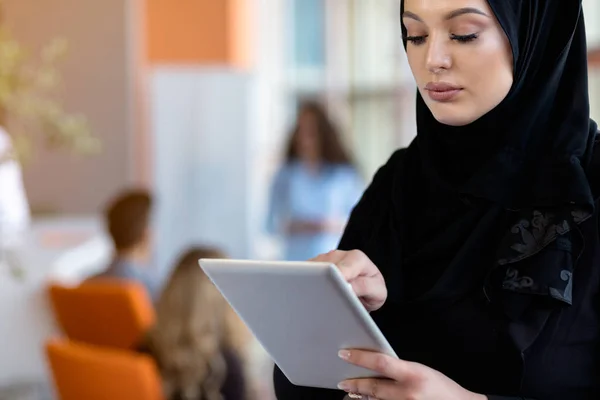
(302, 313)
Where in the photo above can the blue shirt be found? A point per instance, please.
(128, 270)
(298, 194)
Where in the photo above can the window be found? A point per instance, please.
(306, 52)
(349, 52)
(308, 20)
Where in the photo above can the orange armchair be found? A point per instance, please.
(111, 313)
(82, 371)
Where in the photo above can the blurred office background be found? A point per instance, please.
(193, 99)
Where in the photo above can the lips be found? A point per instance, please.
(442, 91)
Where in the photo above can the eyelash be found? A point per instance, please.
(418, 40)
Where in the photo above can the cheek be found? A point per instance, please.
(489, 74)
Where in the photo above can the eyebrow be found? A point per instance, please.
(450, 15)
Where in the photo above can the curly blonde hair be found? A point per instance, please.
(194, 324)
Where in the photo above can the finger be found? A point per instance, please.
(365, 286)
(359, 396)
(334, 257)
(354, 264)
(383, 389)
(351, 395)
(388, 367)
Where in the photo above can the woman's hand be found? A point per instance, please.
(358, 270)
(402, 380)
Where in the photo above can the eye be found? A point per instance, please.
(416, 40)
(464, 38)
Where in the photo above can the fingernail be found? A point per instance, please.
(344, 354)
(343, 386)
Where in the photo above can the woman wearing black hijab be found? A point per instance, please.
(477, 248)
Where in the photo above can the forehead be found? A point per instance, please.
(441, 8)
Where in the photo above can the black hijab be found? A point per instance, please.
(540, 136)
(477, 201)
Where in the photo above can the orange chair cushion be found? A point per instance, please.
(104, 312)
(87, 372)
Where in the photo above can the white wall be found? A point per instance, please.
(203, 122)
(272, 112)
(225, 129)
(98, 82)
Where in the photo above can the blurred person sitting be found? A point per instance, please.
(198, 341)
(128, 223)
(315, 190)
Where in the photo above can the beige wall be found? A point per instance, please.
(99, 82)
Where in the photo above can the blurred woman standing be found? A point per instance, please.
(316, 188)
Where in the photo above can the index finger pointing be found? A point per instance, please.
(351, 264)
(334, 257)
(355, 264)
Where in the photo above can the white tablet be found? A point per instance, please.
(302, 313)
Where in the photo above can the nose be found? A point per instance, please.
(438, 55)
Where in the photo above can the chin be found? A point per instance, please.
(453, 121)
(452, 115)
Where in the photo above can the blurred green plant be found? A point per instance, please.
(27, 105)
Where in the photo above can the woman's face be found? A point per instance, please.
(460, 57)
(308, 135)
